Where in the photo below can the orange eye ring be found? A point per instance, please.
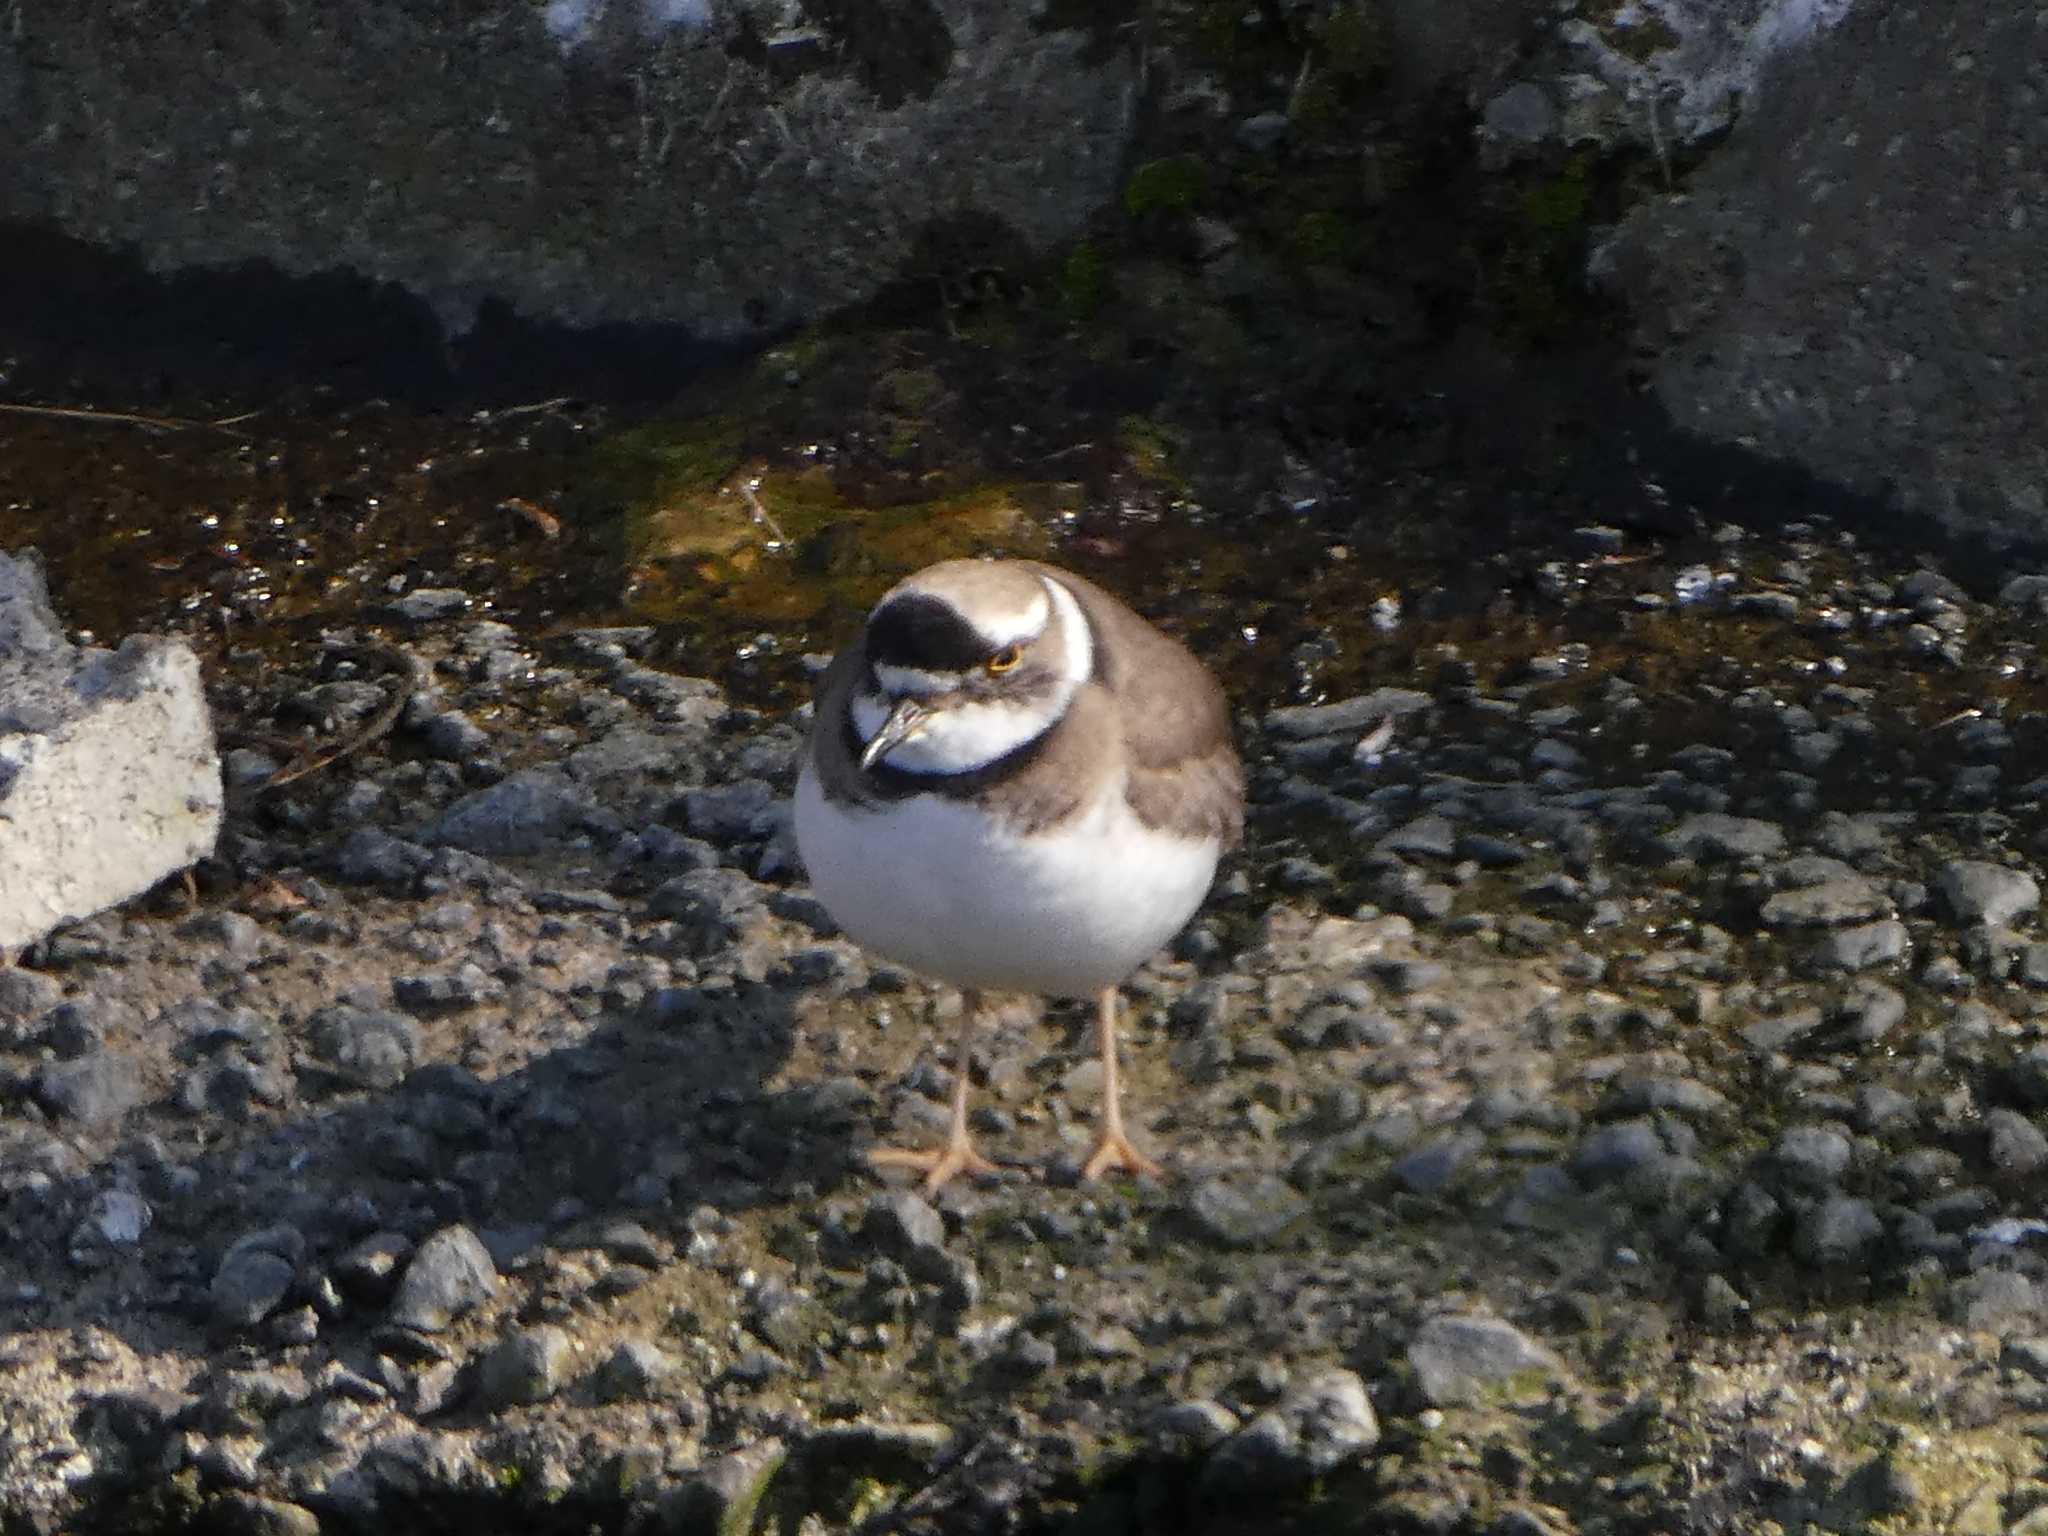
(1005, 660)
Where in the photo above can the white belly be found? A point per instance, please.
(935, 885)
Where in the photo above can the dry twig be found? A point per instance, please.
(126, 418)
(400, 664)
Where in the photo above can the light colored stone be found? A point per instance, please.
(108, 776)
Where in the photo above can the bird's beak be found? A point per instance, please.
(905, 723)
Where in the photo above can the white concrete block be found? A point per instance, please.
(108, 776)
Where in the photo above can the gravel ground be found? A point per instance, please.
(1609, 1094)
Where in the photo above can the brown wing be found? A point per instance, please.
(1185, 776)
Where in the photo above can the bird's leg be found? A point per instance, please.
(1113, 1148)
(957, 1156)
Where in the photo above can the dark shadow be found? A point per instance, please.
(81, 321)
(652, 1110)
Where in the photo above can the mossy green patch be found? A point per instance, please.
(1634, 31)
(1535, 286)
(1150, 451)
(666, 460)
(1083, 284)
(1174, 185)
(770, 543)
(1347, 58)
(1324, 237)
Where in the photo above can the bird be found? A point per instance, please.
(1014, 783)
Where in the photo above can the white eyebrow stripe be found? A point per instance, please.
(898, 681)
(1027, 625)
(1080, 637)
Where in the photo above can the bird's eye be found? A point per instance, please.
(1006, 659)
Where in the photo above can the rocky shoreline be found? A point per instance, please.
(1608, 1095)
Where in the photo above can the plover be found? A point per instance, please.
(1016, 784)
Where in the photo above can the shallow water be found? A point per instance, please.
(256, 489)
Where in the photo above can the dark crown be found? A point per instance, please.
(918, 630)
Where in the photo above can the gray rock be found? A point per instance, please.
(1855, 838)
(711, 906)
(1617, 1151)
(1865, 1014)
(1468, 1357)
(1975, 891)
(1491, 852)
(1831, 904)
(2028, 1077)
(1861, 947)
(2028, 1353)
(1245, 1210)
(635, 1371)
(1539, 1198)
(1779, 1030)
(1263, 131)
(1639, 1094)
(25, 995)
(1026, 1354)
(1995, 1301)
(628, 1242)
(72, 1030)
(1880, 1109)
(529, 812)
(667, 697)
(470, 986)
(428, 605)
(1347, 717)
(1754, 1220)
(733, 812)
(253, 1279)
(1430, 1168)
(1319, 1425)
(1709, 765)
(108, 777)
(369, 1047)
(1812, 1157)
(450, 1274)
(927, 123)
(432, 1388)
(782, 1317)
(865, 1442)
(1716, 835)
(453, 737)
(1839, 1230)
(1428, 837)
(93, 1091)
(725, 1491)
(117, 1217)
(2014, 1145)
(904, 1227)
(1185, 1429)
(1516, 120)
(372, 856)
(370, 1268)
(528, 1365)
(1732, 355)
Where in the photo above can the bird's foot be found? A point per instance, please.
(1114, 1150)
(939, 1165)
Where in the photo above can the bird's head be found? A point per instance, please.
(968, 661)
